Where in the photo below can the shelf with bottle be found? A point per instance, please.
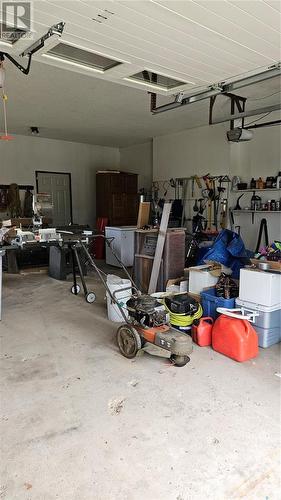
(271, 183)
(249, 211)
(250, 190)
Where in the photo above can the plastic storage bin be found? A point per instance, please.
(210, 302)
(267, 324)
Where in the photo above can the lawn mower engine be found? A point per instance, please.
(147, 311)
(149, 322)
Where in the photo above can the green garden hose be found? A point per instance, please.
(184, 320)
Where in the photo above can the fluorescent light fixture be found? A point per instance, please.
(76, 55)
(156, 80)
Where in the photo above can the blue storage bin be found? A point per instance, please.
(210, 302)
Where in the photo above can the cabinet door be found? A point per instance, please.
(118, 209)
(131, 208)
(117, 183)
(103, 196)
(131, 183)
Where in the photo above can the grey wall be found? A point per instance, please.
(206, 149)
(194, 151)
(138, 159)
(21, 157)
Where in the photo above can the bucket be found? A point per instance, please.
(114, 284)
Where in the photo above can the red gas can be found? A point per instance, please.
(202, 332)
(97, 247)
(235, 338)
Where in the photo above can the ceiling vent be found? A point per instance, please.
(82, 57)
(11, 35)
(150, 78)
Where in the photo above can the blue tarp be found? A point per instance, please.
(228, 249)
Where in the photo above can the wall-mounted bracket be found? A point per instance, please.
(237, 103)
(56, 29)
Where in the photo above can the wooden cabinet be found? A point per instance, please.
(117, 198)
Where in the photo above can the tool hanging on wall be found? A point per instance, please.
(5, 136)
(195, 207)
(177, 204)
(223, 213)
(237, 206)
(262, 229)
(211, 194)
(184, 194)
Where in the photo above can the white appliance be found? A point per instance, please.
(200, 278)
(122, 244)
(260, 287)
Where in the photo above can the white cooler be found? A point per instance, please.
(260, 287)
(268, 322)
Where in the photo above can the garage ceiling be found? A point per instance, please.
(196, 42)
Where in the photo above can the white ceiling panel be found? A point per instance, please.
(181, 41)
(134, 47)
(262, 10)
(166, 15)
(136, 42)
(261, 21)
(198, 42)
(145, 30)
(205, 19)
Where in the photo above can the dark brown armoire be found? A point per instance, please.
(117, 197)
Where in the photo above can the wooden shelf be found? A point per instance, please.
(257, 211)
(20, 186)
(252, 190)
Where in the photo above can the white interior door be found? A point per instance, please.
(58, 185)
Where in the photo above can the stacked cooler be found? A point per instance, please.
(260, 291)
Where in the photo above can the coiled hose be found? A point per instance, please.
(184, 320)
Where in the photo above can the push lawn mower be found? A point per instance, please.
(147, 319)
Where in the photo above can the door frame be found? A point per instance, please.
(70, 185)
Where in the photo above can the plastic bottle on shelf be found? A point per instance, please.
(268, 182)
(259, 183)
(255, 202)
(273, 205)
(253, 183)
(278, 181)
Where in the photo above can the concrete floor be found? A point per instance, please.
(80, 422)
